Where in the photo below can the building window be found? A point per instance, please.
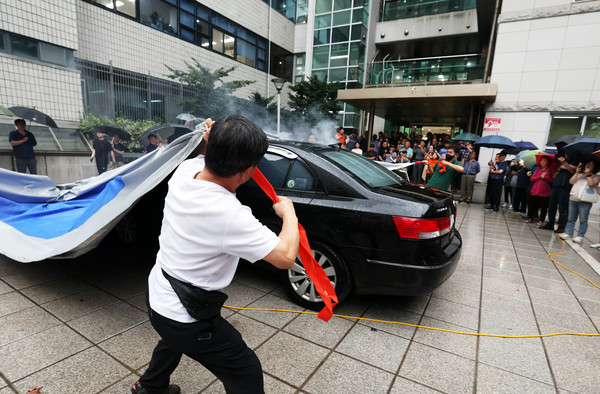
(126, 7)
(300, 71)
(223, 43)
(323, 6)
(2, 38)
(159, 15)
(564, 125)
(321, 37)
(23, 46)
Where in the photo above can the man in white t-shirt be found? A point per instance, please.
(205, 231)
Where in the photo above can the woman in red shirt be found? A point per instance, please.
(540, 191)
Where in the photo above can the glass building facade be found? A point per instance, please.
(339, 45)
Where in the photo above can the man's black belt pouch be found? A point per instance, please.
(200, 304)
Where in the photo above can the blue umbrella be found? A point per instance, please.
(495, 141)
(583, 150)
(521, 146)
(466, 137)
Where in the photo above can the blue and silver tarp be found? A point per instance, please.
(40, 220)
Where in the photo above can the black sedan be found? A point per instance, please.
(371, 231)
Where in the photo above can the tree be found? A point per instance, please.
(212, 96)
(315, 99)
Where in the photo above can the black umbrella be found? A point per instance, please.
(112, 130)
(560, 142)
(163, 132)
(583, 150)
(33, 115)
(521, 146)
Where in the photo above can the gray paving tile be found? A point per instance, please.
(473, 267)
(122, 385)
(13, 302)
(585, 292)
(275, 386)
(575, 362)
(132, 347)
(388, 312)
(464, 280)
(495, 380)
(560, 301)
(276, 319)
(458, 295)
(525, 357)
(5, 288)
(139, 301)
(506, 288)
(405, 386)
(452, 373)
(108, 321)
(462, 345)
(451, 312)
(290, 358)
(55, 289)
(241, 295)
(253, 332)
(554, 286)
(374, 347)
(24, 357)
(73, 373)
(314, 329)
(334, 377)
(549, 318)
(503, 265)
(507, 323)
(73, 306)
(31, 274)
(123, 285)
(504, 273)
(191, 376)
(24, 323)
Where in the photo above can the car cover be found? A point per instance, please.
(40, 220)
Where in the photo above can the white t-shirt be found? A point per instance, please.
(205, 231)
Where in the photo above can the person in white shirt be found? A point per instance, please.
(205, 231)
(357, 149)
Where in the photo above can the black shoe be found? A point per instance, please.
(138, 389)
(547, 226)
(559, 230)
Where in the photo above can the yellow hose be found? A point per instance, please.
(442, 329)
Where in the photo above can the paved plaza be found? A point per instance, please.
(80, 325)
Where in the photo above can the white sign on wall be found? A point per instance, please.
(492, 124)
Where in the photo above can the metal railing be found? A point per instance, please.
(403, 9)
(113, 92)
(427, 71)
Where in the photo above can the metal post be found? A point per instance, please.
(278, 111)
(111, 90)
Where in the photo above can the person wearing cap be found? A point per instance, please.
(22, 142)
(498, 169)
(370, 153)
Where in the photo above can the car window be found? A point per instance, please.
(300, 178)
(274, 168)
(367, 171)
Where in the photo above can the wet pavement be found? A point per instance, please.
(81, 325)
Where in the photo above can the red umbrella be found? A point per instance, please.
(597, 154)
(553, 164)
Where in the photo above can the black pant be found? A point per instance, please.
(538, 203)
(520, 202)
(214, 343)
(24, 164)
(418, 173)
(559, 198)
(508, 194)
(495, 192)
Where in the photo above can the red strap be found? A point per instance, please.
(314, 271)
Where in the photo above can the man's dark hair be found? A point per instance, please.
(235, 143)
(152, 135)
(20, 121)
(454, 147)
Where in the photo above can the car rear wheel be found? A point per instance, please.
(300, 287)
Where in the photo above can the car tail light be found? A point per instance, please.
(414, 228)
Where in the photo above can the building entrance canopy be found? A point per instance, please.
(409, 103)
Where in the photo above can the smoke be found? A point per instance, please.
(294, 127)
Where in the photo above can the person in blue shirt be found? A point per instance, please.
(467, 182)
(22, 142)
(152, 145)
(498, 170)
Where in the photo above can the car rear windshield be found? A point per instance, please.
(366, 170)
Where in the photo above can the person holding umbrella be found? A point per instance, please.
(118, 150)
(559, 197)
(583, 194)
(22, 142)
(498, 169)
(100, 150)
